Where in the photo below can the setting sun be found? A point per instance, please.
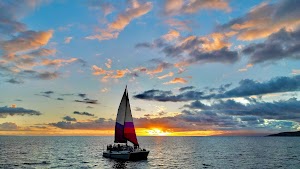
(157, 132)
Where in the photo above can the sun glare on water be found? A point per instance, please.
(157, 132)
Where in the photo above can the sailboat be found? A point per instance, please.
(124, 131)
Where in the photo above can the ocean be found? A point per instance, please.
(165, 152)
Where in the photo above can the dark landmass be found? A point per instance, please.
(287, 134)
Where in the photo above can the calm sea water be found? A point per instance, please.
(165, 152)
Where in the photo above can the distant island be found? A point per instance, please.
(287, 134)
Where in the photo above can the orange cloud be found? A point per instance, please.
(98, 71)
(215, 41)
(108, 63)
(177, 80)
(171, 35)
(57, 62)
(170, 74)
(265, 19)
(28, 40)
(68, 39)
(113, 29)
(176, 7)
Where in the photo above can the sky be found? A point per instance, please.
(192, 67)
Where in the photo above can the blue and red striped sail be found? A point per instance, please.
(124, 129)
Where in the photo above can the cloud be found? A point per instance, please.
(88, 101)
(249, 87)
(105, 7)
(12, 12)
(45, 75)
(170, 74)
(171, 35)
(108, 63)
(68, 118)
(278, 110)
(82, 95)
(277, 46)
(100, 123)
(246, 87)
(296, 72)
(109, 74)
(83, 113)
(15, 81)
(27, 40)
(68, 39)
(8, 126)
(176, 7)
(186, 88)
(42, 52)
(177, 80)
(18, 111)
(178, 24)
(213, 48)
(138, 109)
(58, 62)
(59, 98)
(265, 19)
(135, 10)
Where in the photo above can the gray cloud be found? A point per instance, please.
(8, 126)
(246, 87)
(83, 113)
(68, 118)
(186, 88)
(88, 101)
(15, 81)
(18, 111)
(277, 110)
(277, 46)
(100, 123)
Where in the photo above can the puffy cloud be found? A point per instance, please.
(88, 101)
(265, 19)
(280, 45)
(8, 126)
(138, 109)
(113, 29)
(196, 50)
(171, 35)
(245, 88)
(83, 113)
(186, 88)
(177, 80)
(296, 72)
(100, 123)
(175, 7)
(27, 40)
(17, 111)
(15, 81)
(109, 74)
(178, 24)
(103, 6)
(170, 74)
(108, 63)
(278, 110)
(68, 118)
(98, 71)
(68, 39)
(12, 12)
(58, 62)
(39, 75)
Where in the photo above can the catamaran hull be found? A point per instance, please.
(141, 155)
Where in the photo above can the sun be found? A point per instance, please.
(157, 132)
